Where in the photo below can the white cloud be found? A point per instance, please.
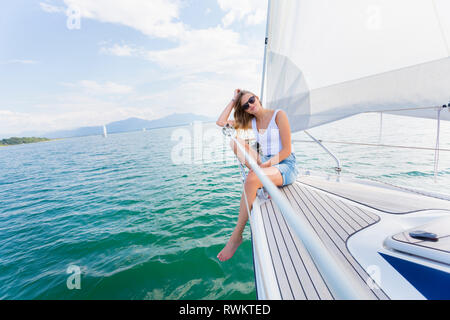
(119, 50)
(155, 18)
(251, 11)
(50, 8)
(107, 88)
(208, 64)
(197, 94)
(215, 50)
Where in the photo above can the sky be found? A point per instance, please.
(71, 63)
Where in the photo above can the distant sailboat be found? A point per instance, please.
(105, 133)
(143, 129)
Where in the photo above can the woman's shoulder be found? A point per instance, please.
(280, 113)
(281, 118)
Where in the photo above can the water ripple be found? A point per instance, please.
(140, 227)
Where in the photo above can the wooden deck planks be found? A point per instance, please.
(312, 282)
(285, 251)
(280, 272)
(334, 221)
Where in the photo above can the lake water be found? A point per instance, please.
(142, 222)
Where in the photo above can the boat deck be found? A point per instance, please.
(438, 249)
(334, 221)
(337, 210)
(377, 196)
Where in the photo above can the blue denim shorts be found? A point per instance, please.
(287, 167)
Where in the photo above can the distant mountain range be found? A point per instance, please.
(131, 124)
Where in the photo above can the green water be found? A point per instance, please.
(140, 226)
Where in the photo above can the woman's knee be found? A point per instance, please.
(252, 180)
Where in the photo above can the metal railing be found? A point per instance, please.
(338, 167)
(341, 283)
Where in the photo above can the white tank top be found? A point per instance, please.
(269, 141)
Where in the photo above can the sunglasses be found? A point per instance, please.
(250, 101)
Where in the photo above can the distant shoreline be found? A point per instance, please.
(15, 141)
(117, 132)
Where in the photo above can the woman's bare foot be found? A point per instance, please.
(229, 249)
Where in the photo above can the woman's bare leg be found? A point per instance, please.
(252, 184)
(240, 155)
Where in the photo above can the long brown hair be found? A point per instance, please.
(241, 117)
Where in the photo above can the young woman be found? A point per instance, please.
(273, 134)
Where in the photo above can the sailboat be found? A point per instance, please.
(343, 238)
(105, 133)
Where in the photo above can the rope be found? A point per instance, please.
(230, 132)
(405, 109)
(444, 38)
(243, 186)
(381, 127)
(436, 153)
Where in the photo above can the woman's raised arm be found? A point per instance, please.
(223, 118)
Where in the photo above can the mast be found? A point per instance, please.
(266, 41)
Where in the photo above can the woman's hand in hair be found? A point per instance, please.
(236, 94)
(223, 118)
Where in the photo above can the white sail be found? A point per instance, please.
(328, 59)
(105, 133)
